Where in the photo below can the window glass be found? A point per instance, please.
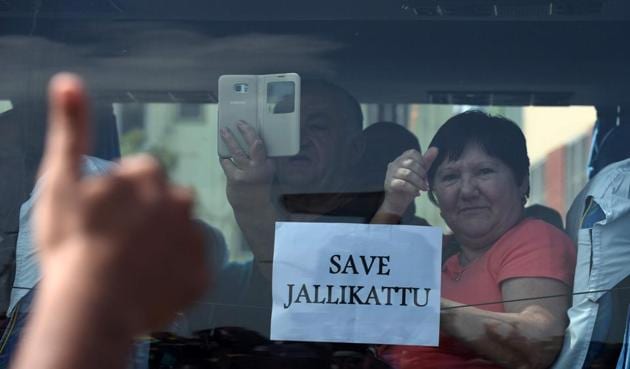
(5, 105)
(377, 79)
(184, 149)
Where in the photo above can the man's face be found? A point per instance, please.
(323, 140)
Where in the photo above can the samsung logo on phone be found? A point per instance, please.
(238, 102)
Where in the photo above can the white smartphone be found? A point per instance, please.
(270, 103)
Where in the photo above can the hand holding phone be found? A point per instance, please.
(251, 167)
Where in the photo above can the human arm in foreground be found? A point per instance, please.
(119, 253)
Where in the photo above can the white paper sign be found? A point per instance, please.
(359, 283)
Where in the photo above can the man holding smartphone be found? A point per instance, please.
(305, 187)
(314, 185)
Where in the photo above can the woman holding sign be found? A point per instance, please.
(496, 304)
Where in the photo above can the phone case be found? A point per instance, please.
(269, 103)
(235, 106)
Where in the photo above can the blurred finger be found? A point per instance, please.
(141, 164)
(412, 154)
(185, 197)
(413, 165)
(249, 134)
(67, 138)
(427, 161)
(402, 186)
(258, 152)
(411, 177)
(230, 169)
(144, 171)
(240, 158)
(429, 157)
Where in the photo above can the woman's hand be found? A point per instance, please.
(406, 178)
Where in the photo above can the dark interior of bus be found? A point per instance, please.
(507, 52)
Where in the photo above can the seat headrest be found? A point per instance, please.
(614, 147)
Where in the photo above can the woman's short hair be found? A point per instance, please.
(498, 136)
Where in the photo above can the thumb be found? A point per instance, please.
(429, 157)
(67, 137)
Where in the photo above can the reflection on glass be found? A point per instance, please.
(185, 148)
(280, 97)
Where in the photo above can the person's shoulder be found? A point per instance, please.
(531, 234)
(536, 229)
(534, 248)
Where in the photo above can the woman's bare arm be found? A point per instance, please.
(527, 336)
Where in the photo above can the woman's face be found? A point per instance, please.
(478, 197)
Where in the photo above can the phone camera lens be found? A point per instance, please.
(241, 88)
